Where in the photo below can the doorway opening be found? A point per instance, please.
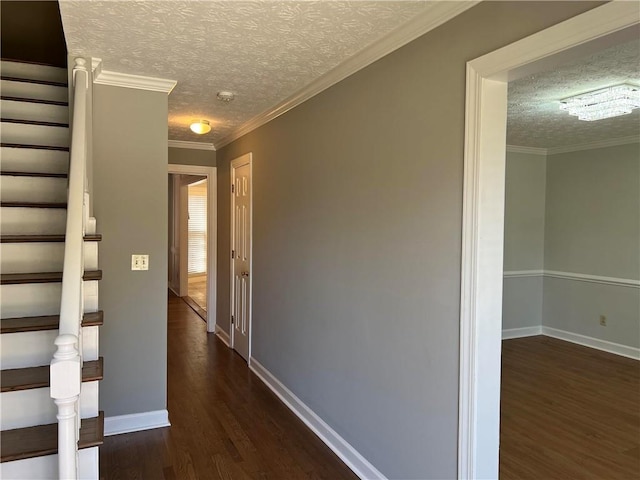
(483, 214)
(197, 245)
(192, 238)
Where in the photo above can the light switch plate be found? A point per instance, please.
(139, 262)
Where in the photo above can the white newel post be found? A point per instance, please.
(66, 375)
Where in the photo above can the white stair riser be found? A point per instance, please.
(34, 91)
(34, 349)
(23, 134)
(34, 160)
(41, 257)
(33, 189)
(33, 221)
(34, 111)
(46, 468)
(28, 408)
(31, 71)
(35, 299)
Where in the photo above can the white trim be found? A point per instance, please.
(224, 336)
(580, 277)
(247, 158)
(523, 273)
(596, 343)
(191, 145)
(483, 223)
(433, 16)
(349, 455)
(614, 142)
(605, 346)
(212, 228)
(521, 332)
(528, 150)
(127, 80)
(136, 422)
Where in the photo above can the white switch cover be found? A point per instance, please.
(139, 262)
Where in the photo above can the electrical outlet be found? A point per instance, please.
(603, 320)
(139, 262)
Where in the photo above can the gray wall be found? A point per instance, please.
(523, 239)
(357, 237)
(130, 205)
(590, 214)
(593, 227)
(189, 156)
(593, 212)
(524, 211)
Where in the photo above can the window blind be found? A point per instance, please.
(197, 262)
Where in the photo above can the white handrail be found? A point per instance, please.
(66, 366)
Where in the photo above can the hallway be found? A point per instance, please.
(226, 424)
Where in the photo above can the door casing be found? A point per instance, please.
(483, 213)
(212, 222)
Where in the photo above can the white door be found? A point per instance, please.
(241, 255)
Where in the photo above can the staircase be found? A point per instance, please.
(34, 183)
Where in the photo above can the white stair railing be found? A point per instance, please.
(66, 365)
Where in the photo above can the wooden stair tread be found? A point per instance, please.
(43, 277)
(30, 80)
(30, 442)
(46, 322)
(34, 122)
(34, 204)
(34, 100)
(17, 379)
(94, 237)
(35, 147)
(32, 174)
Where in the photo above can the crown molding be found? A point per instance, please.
(592, 145)
(433, 16)
(529, 150)
(127, 80)
(191, 145)
(613, 142)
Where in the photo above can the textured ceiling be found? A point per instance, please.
(263, 51)
(534, 115)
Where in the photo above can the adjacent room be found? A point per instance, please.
(571, 301)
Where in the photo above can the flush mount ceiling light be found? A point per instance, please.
(604, 103)
(225, 96)
(200, 127)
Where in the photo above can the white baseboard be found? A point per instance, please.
(616, 348)
(224, 336)
(349, 455)
(521, 332)
(136, 422)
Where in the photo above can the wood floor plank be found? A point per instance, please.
(568, 411)
(225, 423)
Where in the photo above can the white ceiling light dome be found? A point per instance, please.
(200, 126)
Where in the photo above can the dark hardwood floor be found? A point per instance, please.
(568, 412)
(226, 424)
